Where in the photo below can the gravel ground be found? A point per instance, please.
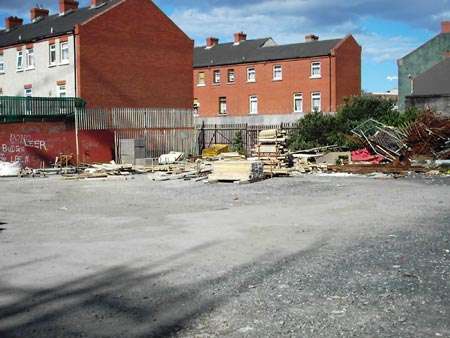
(296, 257)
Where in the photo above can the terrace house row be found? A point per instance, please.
(249, 80)
(113, 53)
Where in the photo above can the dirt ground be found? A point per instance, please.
(294, 257)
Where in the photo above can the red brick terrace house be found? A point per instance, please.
(113, 53)
(258, 81)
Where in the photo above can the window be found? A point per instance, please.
(315, 70)
(30, 58)
(62, 91)
(316, 102)
(222, 105)
(298, 103)
(28, 92)
(19, 63)
(253, 105)
(196, 107)
(251, 75)
(52, 55)
(2, 64)
(201, 79)
(277, 73)
(216, 78)
(231, 76)
(64, 52)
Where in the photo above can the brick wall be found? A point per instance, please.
(348, 69)
(133, 55)
(274, 97)
(37, 143)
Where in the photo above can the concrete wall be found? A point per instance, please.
(438, 103)
(419, 61)
(43, 78)
(39, 143)
(134, 56)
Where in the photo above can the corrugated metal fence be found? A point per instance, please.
(163, 130)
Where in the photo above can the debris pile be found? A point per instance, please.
(236, 170)
(272, 150)
(8, 169)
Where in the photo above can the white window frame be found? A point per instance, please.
(223, 104)
(64, 46)
(298, 96)
(251, 74)
(253, 99)
(216, 76)
(2, 64)
(314, 96)
(30, 60)
(62, 89)
(277, 72)
(231, 72)
(51, 50)
(28, 92)
(203, 83)
(316, 65)
(19, 56)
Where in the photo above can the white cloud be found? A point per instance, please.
(392, 78)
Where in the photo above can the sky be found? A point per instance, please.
(386, 29)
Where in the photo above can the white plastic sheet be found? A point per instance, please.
(8, 169)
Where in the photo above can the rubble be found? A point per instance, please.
(8, 169)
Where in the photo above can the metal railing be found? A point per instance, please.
(17, 108)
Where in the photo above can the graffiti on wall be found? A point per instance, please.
(19, 146)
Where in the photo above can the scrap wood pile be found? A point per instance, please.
(101, 171)
(429, 136)
(272, 150)
(234, 168)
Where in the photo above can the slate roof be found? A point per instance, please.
(259, 50)
(53, 25)
(435, 81)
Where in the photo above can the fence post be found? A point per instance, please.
(215, 134)
(247, 143)
(202, 139)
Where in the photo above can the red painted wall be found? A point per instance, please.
(133, 55)
(37, 143)
(341, 77)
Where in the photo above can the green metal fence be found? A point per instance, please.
(13, 108)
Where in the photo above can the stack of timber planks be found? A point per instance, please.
(236, 170)
(272, 150)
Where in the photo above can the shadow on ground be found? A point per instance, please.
(126, 302)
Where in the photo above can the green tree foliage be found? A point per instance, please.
(318, 129)
(238, 143)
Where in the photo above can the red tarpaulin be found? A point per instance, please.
(364, 155)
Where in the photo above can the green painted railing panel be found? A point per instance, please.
(16, 108)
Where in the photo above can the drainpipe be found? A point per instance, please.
(329, 57)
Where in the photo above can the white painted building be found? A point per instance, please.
(45, 68)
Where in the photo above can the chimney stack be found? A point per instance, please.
(12, 22)
(239, 37)
(67, 5)
(311, 37)
(96, 3)
(211, 42)
(36, 13)
(445, 26)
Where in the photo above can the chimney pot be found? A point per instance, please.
(211, 42)
(239, 37)
(445, 26)
(67, 5)
(12, 22)
(311, 37)
(36, 13)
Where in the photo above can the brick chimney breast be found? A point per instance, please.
(12, 22)
(36, 13)
(67, 5)
(211, 42)
(445, 25)
(239, 37)
(311, 37)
